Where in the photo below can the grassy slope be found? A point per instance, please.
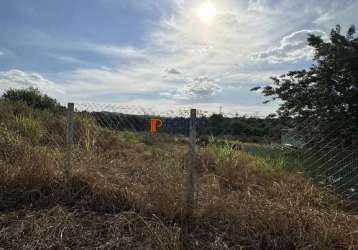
(127, 195)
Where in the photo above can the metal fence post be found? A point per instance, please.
(191, 185)
(69, 140)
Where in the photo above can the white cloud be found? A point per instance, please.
(262, 6)
(69, 59)
(20, 79)
(324, 17)
(1, 53)
(342, 12)
(87, 84)
(200, 87)
(177, 50)
(38, 38)
(292, 48)
(178, 47)
(194, 89)
(126, 51)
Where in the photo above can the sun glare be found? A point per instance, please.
(207, 12)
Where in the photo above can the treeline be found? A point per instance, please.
(247, 129)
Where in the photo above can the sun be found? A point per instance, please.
(207, 12)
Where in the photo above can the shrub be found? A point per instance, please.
(33, 98)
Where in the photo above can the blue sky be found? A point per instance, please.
(163, 54)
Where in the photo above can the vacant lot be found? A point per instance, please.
(125, 194)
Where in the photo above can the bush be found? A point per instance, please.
(43, 127)
(33, 98)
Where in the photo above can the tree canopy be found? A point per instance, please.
(327, 92)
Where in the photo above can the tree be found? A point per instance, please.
(327, 92)
(215, 124)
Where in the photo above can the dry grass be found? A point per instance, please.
(130, 196)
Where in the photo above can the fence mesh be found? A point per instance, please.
(145, 152)
(142, 152)
(327, 155)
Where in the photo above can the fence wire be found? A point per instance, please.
(156, 146)
(133, 147)
(327, 154)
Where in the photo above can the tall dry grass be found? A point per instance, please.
(130, 196)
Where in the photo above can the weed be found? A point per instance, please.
(30, 128)
(124, 194)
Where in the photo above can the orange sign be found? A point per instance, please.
(154, 124)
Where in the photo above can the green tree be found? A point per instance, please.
(327, 92)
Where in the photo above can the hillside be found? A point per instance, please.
(125, 194)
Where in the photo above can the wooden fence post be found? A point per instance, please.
(69, 141)
(191, 185)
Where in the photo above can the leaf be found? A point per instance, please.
(255, 88)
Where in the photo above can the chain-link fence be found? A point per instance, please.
(132, 147)
(327, 154)
(144, 153)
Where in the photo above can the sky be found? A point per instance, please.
(162, 54)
